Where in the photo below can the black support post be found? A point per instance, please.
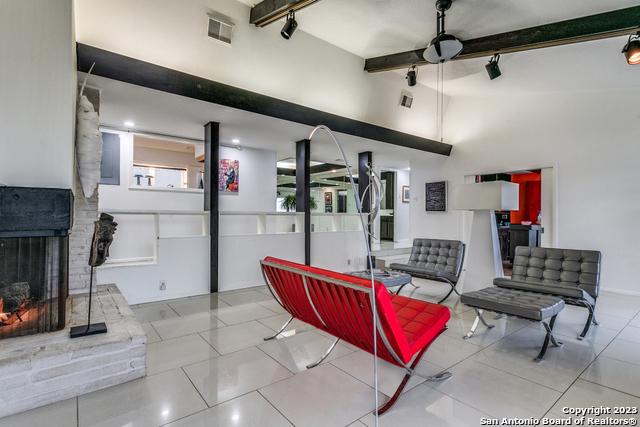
(211, 196)
(303, 192)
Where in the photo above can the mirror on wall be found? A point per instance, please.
(166, 164)
(331, 191)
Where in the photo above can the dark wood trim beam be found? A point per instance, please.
(286, 171)
(268, 11)
(325, 167)
(130, 70)
(303, 191)
(587, 28)
(212, 196)
(343, 179)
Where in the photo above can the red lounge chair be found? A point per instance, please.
(340, 305)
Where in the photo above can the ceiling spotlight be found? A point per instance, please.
(492, 67)
(443, 47)
(235, 141)
(129, 124)
(289, 26)
(412, 76)
(632, 49)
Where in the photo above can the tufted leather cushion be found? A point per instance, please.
(418, 319)
(565, 272)
(528, 305)
(434, 259)
(558, 289)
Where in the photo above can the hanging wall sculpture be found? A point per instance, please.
(88, 144)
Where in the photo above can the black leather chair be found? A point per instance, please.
(435, 259)
(573, 275)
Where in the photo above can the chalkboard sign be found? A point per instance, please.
(436, 196)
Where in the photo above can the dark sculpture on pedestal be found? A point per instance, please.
(103, 232)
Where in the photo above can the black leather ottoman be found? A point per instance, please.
(526, 305)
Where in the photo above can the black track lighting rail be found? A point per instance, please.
(269, 11)
(615, 23)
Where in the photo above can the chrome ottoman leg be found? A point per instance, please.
(548, 338)
(479, 318)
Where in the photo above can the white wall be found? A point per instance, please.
(182, 265)
(37, 93)
(240, 255)
(176, 255)
(304, 69)
(257, 185)
(258, 180)
(591, 140)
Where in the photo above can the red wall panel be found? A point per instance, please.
(530, 204)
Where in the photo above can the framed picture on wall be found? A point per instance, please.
(328, 209)
(229, 176)
(436, 196)
(328, 198)
(406, 194)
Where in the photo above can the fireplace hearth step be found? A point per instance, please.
(51, 367)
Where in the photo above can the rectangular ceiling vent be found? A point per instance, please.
(220, 27)
(406, 99)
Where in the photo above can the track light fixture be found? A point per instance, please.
(443, 47)
(289, 26)
(492, 67)
(632, 49)
(412, 76)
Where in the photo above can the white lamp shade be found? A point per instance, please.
(496, 196)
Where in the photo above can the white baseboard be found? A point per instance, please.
(621, 291)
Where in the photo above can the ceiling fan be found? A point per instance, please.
(443, 47)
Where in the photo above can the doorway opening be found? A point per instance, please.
(530, 225)
(387, 207)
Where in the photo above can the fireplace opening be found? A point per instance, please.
(34, 226)
(33, 285)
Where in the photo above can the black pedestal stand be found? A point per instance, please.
(89, 328)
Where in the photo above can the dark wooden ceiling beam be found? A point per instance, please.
(130, 70)
(268, 11)
(593, 27)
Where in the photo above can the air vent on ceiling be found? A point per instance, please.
(220, 27)
(406, 99)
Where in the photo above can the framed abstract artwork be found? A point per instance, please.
(436, 196)
(229, 176)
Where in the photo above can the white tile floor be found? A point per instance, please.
(208, 366)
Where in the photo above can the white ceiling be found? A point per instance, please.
(164, 113)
